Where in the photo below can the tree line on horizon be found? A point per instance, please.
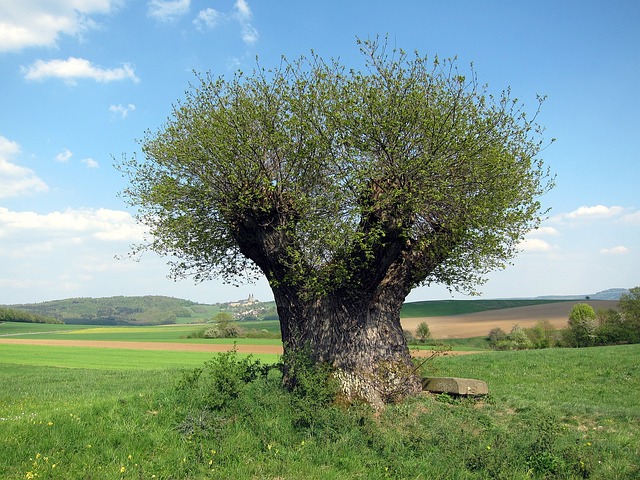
(586, 327)
(17, 315)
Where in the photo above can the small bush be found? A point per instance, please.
(423, 333)
(497, 335)
(220, 381)
(224, 327)
(517, 339)
(313, 389)
(223, 331)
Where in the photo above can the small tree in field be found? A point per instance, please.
(346, 189)
(422, 332)
(225, 327)
(582, 326)
(519, 338)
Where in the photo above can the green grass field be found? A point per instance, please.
(107, 358)
(17, 328)
(117, 414)
(444, 308)
(173, 333)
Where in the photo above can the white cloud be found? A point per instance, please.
(619, 250)
(208, 19)
(535, 245)
(74, 225)
(14, 179)
(168, 10)
(40, 23)
(243, 14)
(544, 231)
(76, 68)
(64, 156)
(71, 253)
(631, 218)
(242, 10)
(249, 34)
(597, 211)
(122, 110)
(90, 162)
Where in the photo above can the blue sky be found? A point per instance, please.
(82, 80)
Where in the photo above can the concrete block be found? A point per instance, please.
(455, 386)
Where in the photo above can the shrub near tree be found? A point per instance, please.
(346, 189)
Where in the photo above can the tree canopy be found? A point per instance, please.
(409, 153)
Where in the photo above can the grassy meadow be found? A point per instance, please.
(101, 413)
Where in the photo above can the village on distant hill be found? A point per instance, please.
(163, 310)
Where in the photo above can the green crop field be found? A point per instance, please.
(18, 328)
(106, 358)
(557, 413)
(176, 334)
(444, 308)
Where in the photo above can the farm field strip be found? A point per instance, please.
(164, 346)
(109, 358)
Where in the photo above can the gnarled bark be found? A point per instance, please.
(359, 336)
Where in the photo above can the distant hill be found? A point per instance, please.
(146, 310)
(609, 294)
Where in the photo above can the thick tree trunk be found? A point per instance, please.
(359, 336)
(354, 326)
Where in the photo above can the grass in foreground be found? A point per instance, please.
(551, 414)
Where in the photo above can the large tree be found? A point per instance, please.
(346, 189)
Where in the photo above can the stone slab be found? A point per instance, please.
(455, 386)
